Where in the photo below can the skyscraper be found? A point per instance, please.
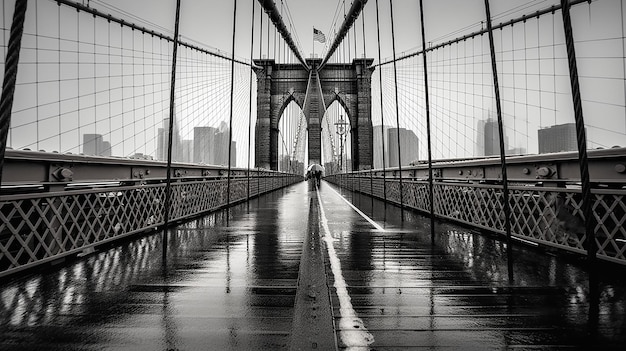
(106, 148)
(377, 143)
(210, 146)
(557, 138)
(162, 139)
(408, 146)
(233, 154)
(187, 151)
(93, 144)
(492, 138)
(488, 138)
(221, 145)
(204, 145)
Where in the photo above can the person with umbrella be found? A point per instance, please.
(315, 171)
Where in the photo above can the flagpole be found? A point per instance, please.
(313, 42)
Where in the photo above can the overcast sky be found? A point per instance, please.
(210, 21)
(528, 83)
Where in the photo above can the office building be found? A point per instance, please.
(379, 145)
(93, 144)
(162, 140)
(408, 145)
(558, 138)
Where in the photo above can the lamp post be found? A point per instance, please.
(341, 131)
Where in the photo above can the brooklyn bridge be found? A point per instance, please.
(328, 175)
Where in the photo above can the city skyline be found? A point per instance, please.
(121, 90)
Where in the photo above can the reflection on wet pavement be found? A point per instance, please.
(456, 294)
(230, 280)
(227, 284)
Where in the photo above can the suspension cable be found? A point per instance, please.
(482, 31)
(382, 120)
(10, 75)
(395, 81)
(168, 181)
(232, 88)
(505, 179)
(581, 136)
(250, 103)
(431, 189)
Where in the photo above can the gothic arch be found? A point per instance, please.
(280, 84)
(287, 99)
(330, 98)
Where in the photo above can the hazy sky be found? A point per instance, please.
(534, 82)
(210, 21)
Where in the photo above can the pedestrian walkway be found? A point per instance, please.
(231, 282)
(456, 294)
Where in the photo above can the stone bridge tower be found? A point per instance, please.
(280, 84)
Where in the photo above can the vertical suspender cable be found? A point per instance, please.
(364, 56)
(505, 179)
(250, 101)
(382, 120)
(621, 11)
(581, 136)
(268, 36)
(232, 89)
(431, 189)
(258, 172)
(395, 83)
(10, 75)
(280, 38)
(343, 45)
(363, 22)
(37, 74)
(355, 41)
(168, 181)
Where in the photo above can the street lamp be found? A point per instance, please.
(341, 130)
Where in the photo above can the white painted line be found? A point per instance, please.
(376, 225)
(352, 330)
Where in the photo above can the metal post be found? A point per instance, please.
(10, 75)
(372, 186)
(430, 160)
(341, 130)
(168, 181)
(232, 91)
(581, 137)
(395, 83)
(505, 179)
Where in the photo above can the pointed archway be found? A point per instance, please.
(279, 84)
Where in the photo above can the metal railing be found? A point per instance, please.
(55, 205)
(545, 197)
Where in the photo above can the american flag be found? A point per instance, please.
(318, 35)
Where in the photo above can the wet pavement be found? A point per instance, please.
(231, 282)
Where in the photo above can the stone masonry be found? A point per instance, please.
(280, 84)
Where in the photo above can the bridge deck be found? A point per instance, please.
(231, 283)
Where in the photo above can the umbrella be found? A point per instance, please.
(315, 167)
